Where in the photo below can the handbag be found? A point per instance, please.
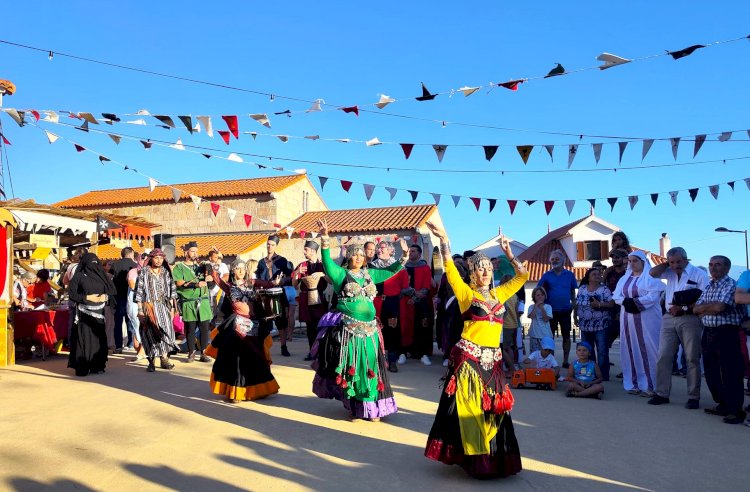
(178, 324)
(630, 306)
(686, 297)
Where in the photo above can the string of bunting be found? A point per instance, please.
(369, 189)
(489, 151)
(238, 157)
(608, 61)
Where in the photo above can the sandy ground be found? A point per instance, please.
(132, 430)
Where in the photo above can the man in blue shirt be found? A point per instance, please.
(560, 285)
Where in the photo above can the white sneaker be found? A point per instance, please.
(446, 363)
(274, 332)
(426, 360)
(402, 359)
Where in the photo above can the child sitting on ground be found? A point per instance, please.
(544, 358)
(584, 377)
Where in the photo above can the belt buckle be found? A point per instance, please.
(383, 297)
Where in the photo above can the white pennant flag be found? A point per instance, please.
(699, 140)
(468, 90)
(196, 201)
(51, 116)
(436, 197)
(231, 213)
(264, 221)
(714, 189)
(312, 137)
(178, 145)
(550, 150)
(673, 196)
(206, 121)
(343, 140)
(632, 200)
(176, 194)
(289, 231)
(89, 117)
(611, 60)
(572, 151)
(456, 199)
(675, 142)
(197, 127)
(725, 136)
(316, 106)
(440, 151)
(51, 137)
(143, 112)
(234, 158)
(597, 151)
(392, 191)
(569, 204)
(373, 142)
(368, 190)
(15, 115)
(262, 119)
(646, 147)
(313, 234)
(139, 121)
(152, 183)
(384, 101)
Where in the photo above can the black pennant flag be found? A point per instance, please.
(492, 202)
(693, 193)
(685, 52)
(612, 202)
(489, 152)
(188, 122)
(654, 197)
(592, 201)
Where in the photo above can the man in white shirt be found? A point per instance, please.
(679, 325)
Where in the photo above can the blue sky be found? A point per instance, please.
(348, 54)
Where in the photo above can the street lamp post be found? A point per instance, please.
(747, 256)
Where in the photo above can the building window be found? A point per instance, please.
(591, 250)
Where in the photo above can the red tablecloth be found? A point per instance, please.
(45, 326)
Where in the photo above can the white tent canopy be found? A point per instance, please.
(32, 221)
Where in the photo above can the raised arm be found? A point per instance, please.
(463, 292)
(504, 291)
(336, 273)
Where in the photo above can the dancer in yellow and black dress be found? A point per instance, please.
(472, 426)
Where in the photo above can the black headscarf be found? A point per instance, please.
(90, 278)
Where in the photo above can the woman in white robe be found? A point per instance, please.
(639, 296)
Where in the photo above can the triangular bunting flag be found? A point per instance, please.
(283, 138)
(176, 195)
(86, 116)
(407, 148)
(84, 127)
(436, 197)
(654, 197)
(725, 136)
(731, 185)
(524, 151)
(477, 202)
(699, 140)
(188, 122)
(646, 147)
(368, 190)
(277, 226)
(289, 231)
(79, 148)
(346, 185)
(234, 158)
(115, 138)
(196, 201)
(152, 183)
(530, 202)
(511, 84)
(558, 70)
(111, 117)
(489, 152)
(392, 191)
(178, 145)
(5, 140)
(206, 122)
(456, 199)
(302, 233)
(373, 142)
(569, 204)
(315, 106)
(233, 125)
(262, 119)
(548, 204)
(384, 101)
(248, 220)
(550, 151)
(592, 202)
(597, 151)
(207, 156)
(165, 119)
(426, 96)
(673, 196)
(214, 208)
(512, 205)
(17, 117)
(313, 234)
(351, 109)
(632, 200)
(572, 151)
(685, 51)
(224, 135)
(323, 181)
(693, 193)
(612, 202)
(468, 90)
(714, 189)
(492, 202)
(51, 116)
(414, 195)
(439, 151)
(146, 144)
(51, 137)
(611, 60)
(139, 121)
(622, 146)
(675, 143)
(747, 183)
(104, 159)
(231, 213)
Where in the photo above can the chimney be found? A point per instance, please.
(665, 244)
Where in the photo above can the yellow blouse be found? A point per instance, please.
(481, 332)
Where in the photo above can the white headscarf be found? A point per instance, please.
(645, 281)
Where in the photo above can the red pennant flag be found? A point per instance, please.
(35, 113)
(215, 208)
(277, 226)
(346, 185)
(548, 204)
(79, 148)
(225, 135)
(5, 140)
(477, 202)
(232, 124)
(512, 205)
(377, 240)
(302, 233)
(351, 109)
(407, 148)
(248, 220)
(511, 84)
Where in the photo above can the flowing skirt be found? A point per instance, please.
(352, 369)
(639, 348)
(157, 330)
(473, 427)
(242, 368)
(88, 340)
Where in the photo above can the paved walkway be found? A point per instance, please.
(131, 430)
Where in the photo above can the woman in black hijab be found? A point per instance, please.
(90, 289)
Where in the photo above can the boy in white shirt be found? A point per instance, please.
(544, 358)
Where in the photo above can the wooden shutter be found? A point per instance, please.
(604, 250)
(580, 250)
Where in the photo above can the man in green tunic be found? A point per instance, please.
(195, 306)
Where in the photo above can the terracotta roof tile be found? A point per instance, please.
(211, 189)
(367, 219)
(109, 252)
(229, 244)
